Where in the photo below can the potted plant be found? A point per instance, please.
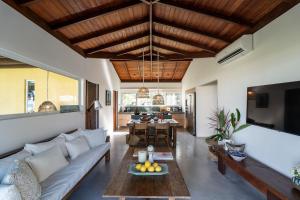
(225, 125)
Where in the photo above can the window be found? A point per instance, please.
(172, 98)
(23, 88)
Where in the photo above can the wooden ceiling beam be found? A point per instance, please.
(183, 52)
(116, 54)
(140, 46)
(110, 30)
(191, 8)
(40, 22)
(184, 41)
(93, 13)
(191, 30)
(27, 2)
(165, 47)
(118, 42)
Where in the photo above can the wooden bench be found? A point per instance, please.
(271, 183)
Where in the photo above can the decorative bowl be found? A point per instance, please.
(237, 155)
(296, 183)
(164, 170)
(235, 147)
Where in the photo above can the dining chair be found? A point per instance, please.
(141, 130)
(162, 132)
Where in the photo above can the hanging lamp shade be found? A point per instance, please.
(143, 92)
(158, 100)
(47, 106)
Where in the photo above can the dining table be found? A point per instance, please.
(151, 124)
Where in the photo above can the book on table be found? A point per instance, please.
(157, 155)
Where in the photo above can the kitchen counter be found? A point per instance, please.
(168, 112)
(124, 117)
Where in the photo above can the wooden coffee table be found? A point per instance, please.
(124, 185)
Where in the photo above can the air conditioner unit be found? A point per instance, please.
(237, 49)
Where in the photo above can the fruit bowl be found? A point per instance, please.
(133, 170)
(237, 155)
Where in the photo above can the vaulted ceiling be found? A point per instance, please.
(119, 29)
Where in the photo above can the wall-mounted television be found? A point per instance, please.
(275, 106)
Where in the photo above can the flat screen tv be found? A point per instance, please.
(275, 106)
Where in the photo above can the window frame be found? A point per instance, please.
(17, 57)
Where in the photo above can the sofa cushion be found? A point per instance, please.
(8, 162)
(95, 137)
(61, 182)
(43, 146)
(77, 147)
(71, 136)
(47, 162)
(9, 192)
(24, 179)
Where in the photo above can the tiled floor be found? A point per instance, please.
(200, 174)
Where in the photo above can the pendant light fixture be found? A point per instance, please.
(158, 99)
(47, 106)
(143, 92)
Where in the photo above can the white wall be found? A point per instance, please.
(206, 102)
(22, 40)
(274, 60)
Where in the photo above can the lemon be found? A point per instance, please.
(155, 165)
(151, 169)
(138, 166)
(158, 169)
(143, 168)
(147, 164)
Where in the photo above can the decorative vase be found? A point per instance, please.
(223, 142)
(296, 182)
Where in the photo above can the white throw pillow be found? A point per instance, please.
(9, 192)
(24, 179)
(95, 137)
(43, 146)
(46, 163)
(77, 147)
(71, 136)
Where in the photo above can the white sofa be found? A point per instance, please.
(63, 182)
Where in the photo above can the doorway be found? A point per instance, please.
(190, 111)
(91, 115)
(115, 110)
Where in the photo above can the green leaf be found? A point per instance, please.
(238, 114)
(233, 120)
(241, 127)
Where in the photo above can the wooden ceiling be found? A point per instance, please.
(170, 71)
(119, 29)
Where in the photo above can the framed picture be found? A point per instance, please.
(107, 97)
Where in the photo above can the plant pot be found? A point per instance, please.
(211, 142)
(223, 142)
